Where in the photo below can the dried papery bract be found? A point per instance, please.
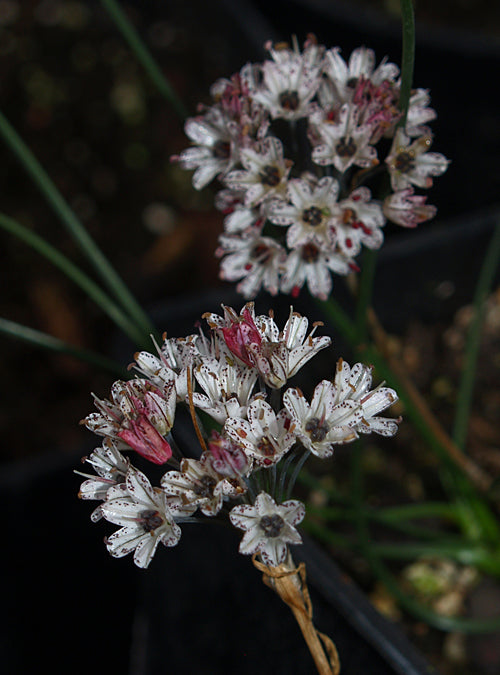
(290, 583)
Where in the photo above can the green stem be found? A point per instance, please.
(466, 388)
(75, 228)
(365, 292)
(75, 274)
(144, 56)
(407, 57)
(40, 339)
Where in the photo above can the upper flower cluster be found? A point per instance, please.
(238, 376)
(294, 140)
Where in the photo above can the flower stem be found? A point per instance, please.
(40, 339)
(144, 56)
(75, 274)
(407, 57)
(75, 227)
(365, 292)
(466, 388)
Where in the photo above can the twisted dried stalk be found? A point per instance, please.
(290, 584)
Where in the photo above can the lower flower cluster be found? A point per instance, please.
(235, 377)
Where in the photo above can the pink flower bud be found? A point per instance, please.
(142, 436)
(241, 334)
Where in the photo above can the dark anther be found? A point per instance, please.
(150, 520)
(205, 486)
(221, 150)
(404, 162)
(310, 253)
(272, 525)
(270, 175)
(346, 147)
(312, 216)
(289, 100)
(316, 430)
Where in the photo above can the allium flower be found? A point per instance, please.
(419, 113)
(215, 152)
(410, 163)
(312, 265)
(265, 172)
(345, 142)
(198, 485)
(227, 388)
(145, 517)
(345, 76)
(277, 356)
(266, 437)
(308, 213)
(324, 423)
(407, 209)
(139, 414)
(254, 259)
(111, 468)
(358, 222)
(341, 410)
(269, 527)
(227, 458)
(286, 85)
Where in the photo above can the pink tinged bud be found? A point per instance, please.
(227, 458)
(142, 437)
(240, 335)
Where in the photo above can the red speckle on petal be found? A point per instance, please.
(348, 243)
(248, 266)
(295, 291)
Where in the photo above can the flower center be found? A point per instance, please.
(346, 147)
(404, 162)
(348, 216)
(310, 253)
(150, 520)
(352, 82)
(312, 216)
(317, 430)
(221, 150)
(270, 175)
(272, 525)
(266, 447)
(289, 100)
(205, 486)
(261, 253)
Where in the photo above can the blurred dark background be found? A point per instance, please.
(74, 91)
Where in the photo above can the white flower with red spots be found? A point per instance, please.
(215, 152)
(266, 436)
(253, 259)
(410, 163)
(358, 222)
(312, 265)
(308, 212)
(146, 517)
(345, 142)
(111, 468)
(345, 76)
(198, 485)
(269, 527)
(286, 85)
(408, 209)
(264, 174)
(340, 410)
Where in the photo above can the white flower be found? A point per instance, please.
(309, 263)
(407, 209)
(266, 437)
(345, 142)
(354, 384)
(198, 485)
(111, 468)
(227, 388)
(269, 527)
(215, 151)
(344, 77)
(286, 85)
(308, 212)
(340, 410)
(418, 113)
(254, 259)
(145, 517)
(325, 422)
(412, 164)
(265, 172)
(358, 222)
